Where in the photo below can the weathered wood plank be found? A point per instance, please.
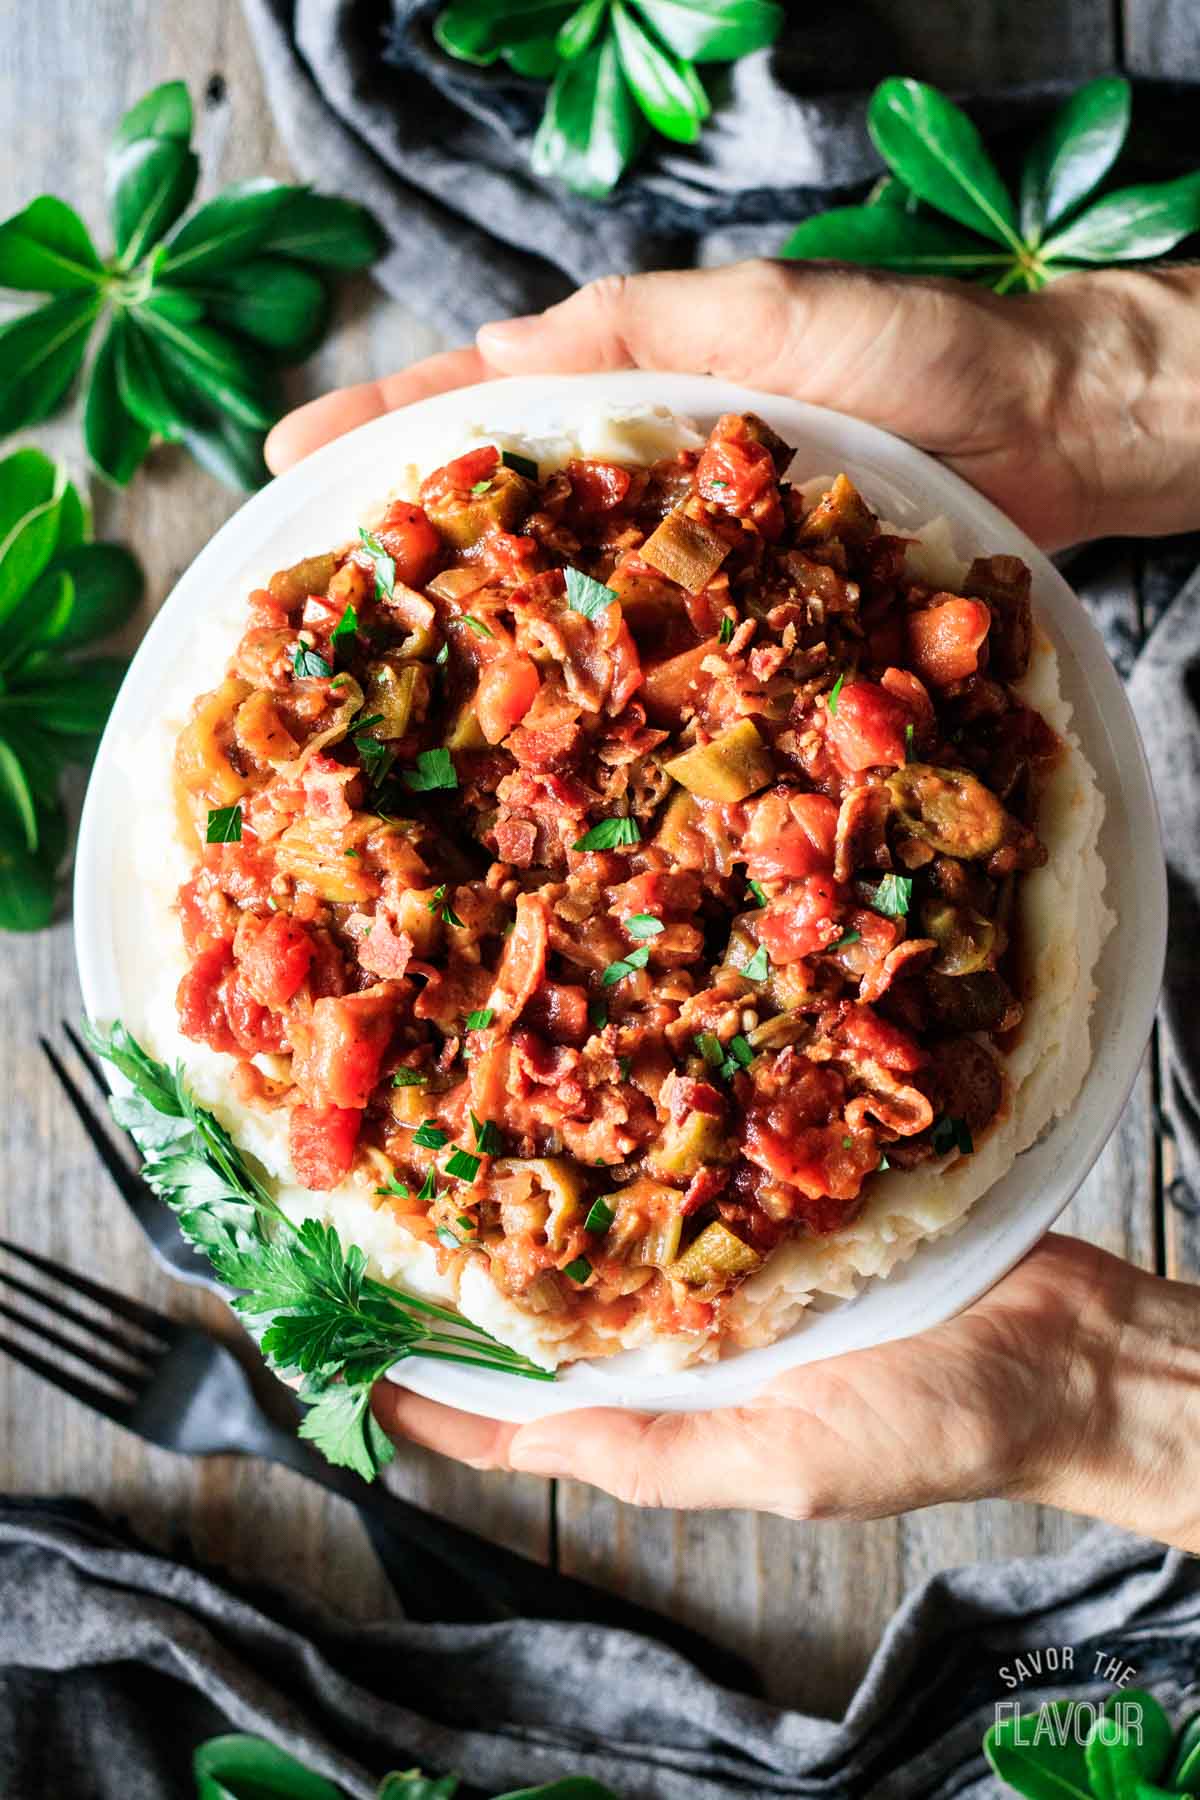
(86, 65)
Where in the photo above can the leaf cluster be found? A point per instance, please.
(190, 317)
(240, 1767)
(59, 594)
(315, 1311)
(1060, 1754)
(618, 69)
(946, 210)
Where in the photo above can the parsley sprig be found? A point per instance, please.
(307, 1299)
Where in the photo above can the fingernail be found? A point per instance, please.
(499, 332)
(536, 1456)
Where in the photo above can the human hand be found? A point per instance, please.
(1074, 1382)
(1075, 409)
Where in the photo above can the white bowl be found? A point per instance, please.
(319, 503)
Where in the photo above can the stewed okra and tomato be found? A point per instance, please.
(615, 871)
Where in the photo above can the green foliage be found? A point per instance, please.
(59, 594)
(617, 68)
(196, 313)
(1065, 1753)
(315, 1311)
(239, 1767)
(945, 209)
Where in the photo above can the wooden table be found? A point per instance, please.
(808, 1603)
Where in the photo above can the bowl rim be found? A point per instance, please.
(946, 1273)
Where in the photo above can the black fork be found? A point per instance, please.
(182, 1389)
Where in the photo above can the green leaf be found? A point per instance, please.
(571, 1787)
(578, 33)
(26, 885)
(74, 520)
(586, 596)
(178, 304)
(1039, 1756)
(78, 699)
(205, 360)
(1133, 223)
(936, 150)
(410, 1784)
(885, 237)
(225, 229)
(15, 797)
(1074, 153)
(536, 60)
(1126, 1747)
(144, 390)
(1185, 1762)
(108, 586)
(165, 112)
(46, 250)
(610, 834)
(150, 182)
(39, 619)
(40, 355)
(32, 489)
(590, 130)
(478, 30)
(116, 441)
(318, 228)
(231, 452)
(251, 1769)
(276, 303)
(660, 83)
(713, 30)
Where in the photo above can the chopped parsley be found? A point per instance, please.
(430, 1136)
(383, 564)
(586, 596)
(758, 967)
(466, 1221)
(726, 631)
(443, 656)
(435, 769)
(718, 482)
(579, 1270)
(376, 758)
(409, 1078)
(850, 937)
(834, 691)
(462, 1165)
(346, 627)
(520, 465)
(597, 1016)
(882, 1164)
(445, 1236)
(623, 1067)
(487, 1136)
(224, 825)
(740, 1057)
(477, 625)
(617, 971)
(480, 1020)
(757, 893)
(308, 664)
(428, 1187)
(392, 1186)
(600, 1217)
(847, 1143)
(442, 907)
(350, 852)
(908, 743)
(610, 834)
(710, 1048)
(481, 487)
(893, 896)
(952, 1134)
(643, 925)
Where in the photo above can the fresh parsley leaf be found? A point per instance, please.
(586, 596)
(578, 1270)
(409, 1078)
(600, 1216)
(709, 1046)
(643, 925)
(758, 967)
(224, 825)
(377, 759)
(430, 1136)
(849, 937)
(740, 1057)
(882, 1164)
(465, 1220)
(435, 769)
(346, 627)
(597, 1015)
(480, 1020)
(487, 1136)
(520, 465)
(392, 1186)
(623, 1067)
(617, 971)
(383, 564)
(725, 633)
(847, 1143)
(445, 1236)
(309, 665)
(477, 626)
(428, 1188)
(908, 743)
(481, 487)
(757, 893)
(443, 656)
(834, 692)
(610, 834)
(462, 1165)
(893, 896)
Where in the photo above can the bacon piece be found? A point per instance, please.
(385, 951)
(881, 973)
(860, 840)
(325, 783)
(704, 1187)
(516, 840)
(523, 964)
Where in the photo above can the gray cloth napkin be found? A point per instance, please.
(115, 1661)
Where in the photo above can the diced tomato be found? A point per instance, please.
(507, 690)
(199, 1003)
(507, 555)
(322, 1141)
(882, 1041)
(944, 641)
(256, 1028)
(867, 729)
(734, 475)
(338, 1062)
(802, 921)
(460, 475)
(412, 540)
(206, 915)
(799, 1137)
(789, 834)
(597, 486)
(273, 956)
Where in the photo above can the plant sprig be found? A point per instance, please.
(1071, 1753)
(945, 209)
(239, 1767)
(618, 69)
(59, 594)
(196, 314)
(310, 1303)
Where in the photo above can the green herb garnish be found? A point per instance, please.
(623, 1067)
(835, 690)
(586, 596)
(435, 769)
(309, 1301)
(579, 1269)
(757, 893)
(520, 465)
(758, 967)
(617, 971)
(487, 1136)
(597, 1015)
(430, 1136)
(481, 487)
(480, 1020)
(725, 632)
(442, 907)
(409, 1078)
(710, 1048)
(908, 743)
(308, 664)
(893, 896)
(383, 563)
(740, 1056)
(428, 1188)
(377, 759)
(610, 834)
(462, 1165)
(477, 626)
(346, 627)
(224, 825)
(849, 937)
(951, 1134)
(600, 1217)
(443, 656)
(643, 925)
(392, 1186)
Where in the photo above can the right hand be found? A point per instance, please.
(1073, 409)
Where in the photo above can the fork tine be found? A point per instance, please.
(131, 1184)
(156, 1323)
(85, 1056)
(141, 1353)
(99, 1401)
(132, 1380)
